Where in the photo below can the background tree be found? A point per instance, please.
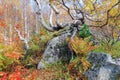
(18, 21)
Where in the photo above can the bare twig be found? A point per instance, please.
(23, 39)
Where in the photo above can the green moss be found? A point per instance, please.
(113, 50)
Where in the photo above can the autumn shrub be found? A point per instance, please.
(9, 56)
(11, 67)
(113, 50)
(81, 47)
(19, 73)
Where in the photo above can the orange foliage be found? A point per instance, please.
(81, 46)
(13, 55)
(1, 38)
(15, 76)
(31, 76)
(85, 64)
(19, 73)
(18, 25)
(3, 23)
(2, 9)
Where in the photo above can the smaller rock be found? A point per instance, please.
(104, 67)
(118, 61)
(99, 58)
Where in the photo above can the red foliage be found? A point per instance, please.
(18, 26)
(13, 55)
(19, 74)
(1, 38)
(16, 75)
(1, 10)
(3, 75)
(3, 23)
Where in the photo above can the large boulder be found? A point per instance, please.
(57, 49)
(103, 67)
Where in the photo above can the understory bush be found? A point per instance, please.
(11, 67)
(81, 47)
(9, 56)
(113, 50)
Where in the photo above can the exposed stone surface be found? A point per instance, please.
(57, 49)
(104, 67)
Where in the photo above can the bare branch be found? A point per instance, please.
(74, 33)
(23, 39)
(54, 9)
(59, 24)
(67, 9)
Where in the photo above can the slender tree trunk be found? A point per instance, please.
(10, 40)
(37, 29)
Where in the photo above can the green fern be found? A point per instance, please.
(84, 32)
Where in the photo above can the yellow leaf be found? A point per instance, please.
(113, 12)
